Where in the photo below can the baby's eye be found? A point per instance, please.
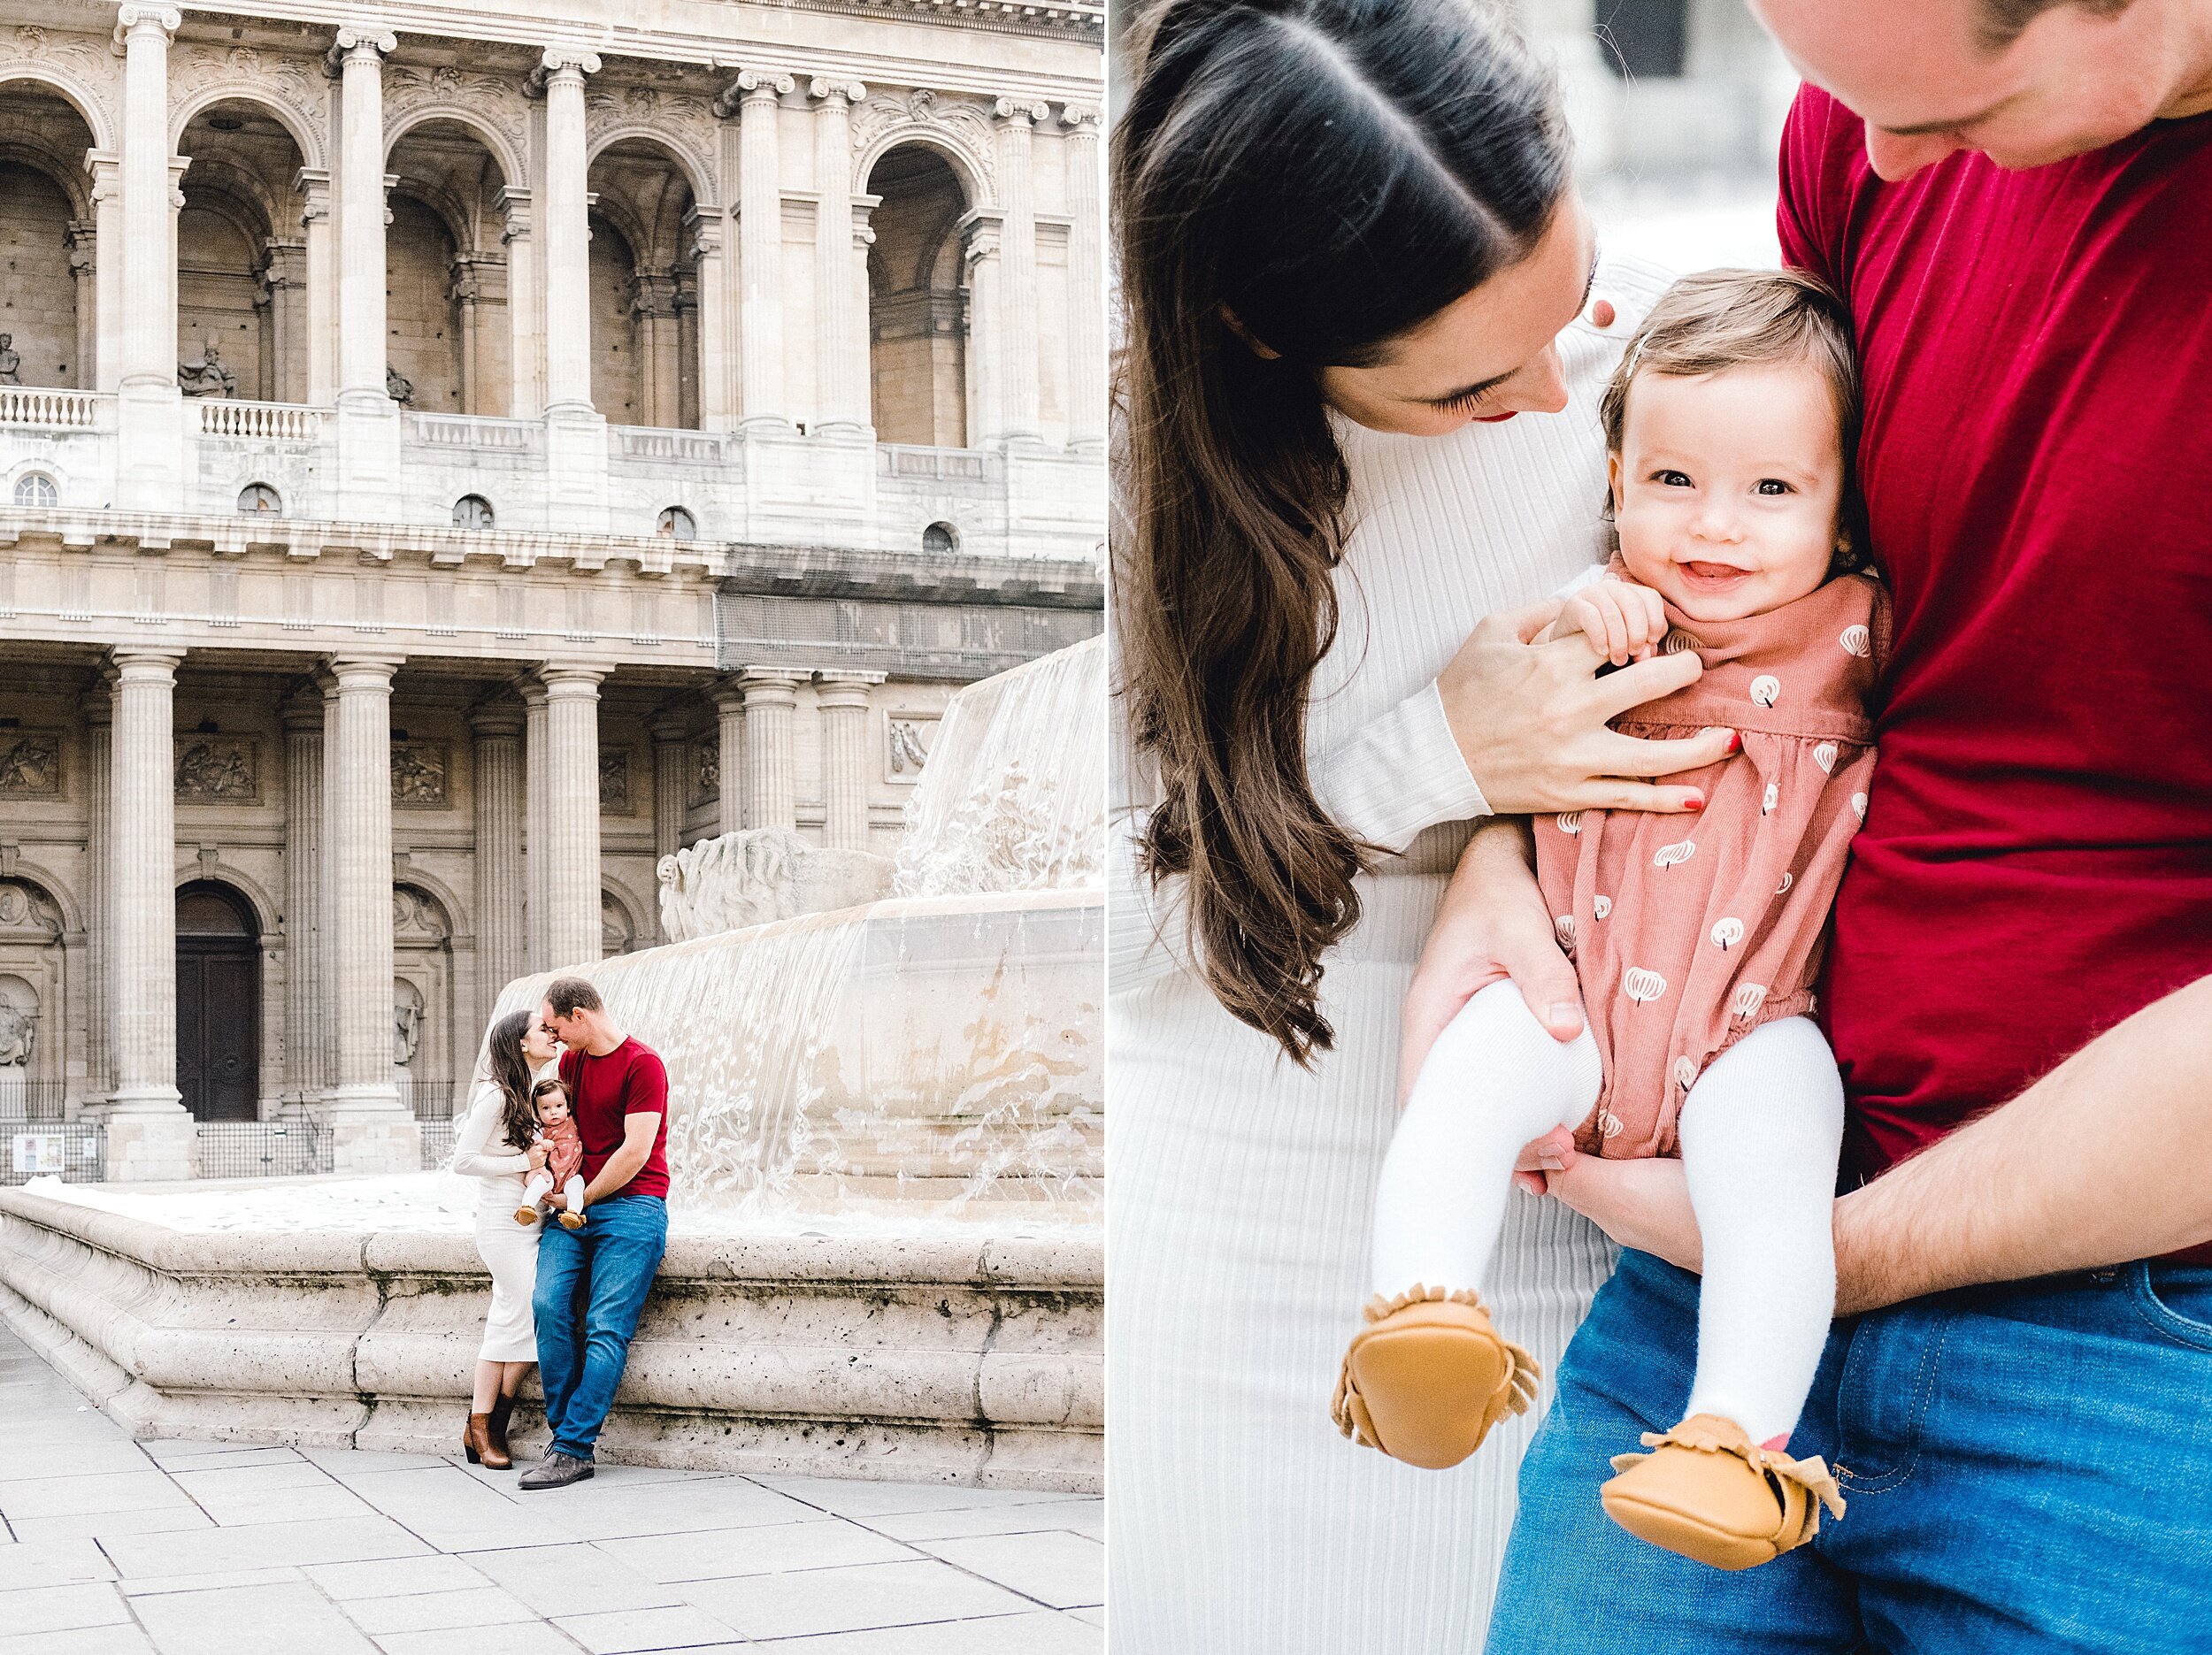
(1773, 486)
(1672, 479)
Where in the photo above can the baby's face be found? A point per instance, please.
(1728, 488)
(552, 1109)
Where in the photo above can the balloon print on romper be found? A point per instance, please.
(1676, 642)
(1766, 689)
(1746, 1001)
(1857, 640)
(1728, 933)
(1825, 755)
(1685, 1073)
(1667, 856)
(1564, 928)
(1600, 906)
(1640, 985)
(1858, 803)
(1570, 822)
(1609, 1123)
(1788, 879)
(1773, 798)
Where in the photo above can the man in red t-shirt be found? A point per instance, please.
(2019, 991)
(592, 1282)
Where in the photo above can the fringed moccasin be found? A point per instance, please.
(1708, 1492)
(1427, 1376)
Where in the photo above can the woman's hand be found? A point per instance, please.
(537, 1153)
(1530, 719)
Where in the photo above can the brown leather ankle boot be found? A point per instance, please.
(495, 1434)
(476, 1443)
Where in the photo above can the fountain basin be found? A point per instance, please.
(939, 1352)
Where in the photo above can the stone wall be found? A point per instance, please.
(38, 295)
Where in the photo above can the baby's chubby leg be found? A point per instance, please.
(535, 1188)
(1495, 1081)
(1761, 1132)
(573, 1192)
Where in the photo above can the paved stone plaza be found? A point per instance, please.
(112, 1547)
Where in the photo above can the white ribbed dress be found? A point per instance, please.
(1241, 1190)
(510, 1251)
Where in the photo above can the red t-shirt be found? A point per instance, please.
(629, 1080)
(2037, 354)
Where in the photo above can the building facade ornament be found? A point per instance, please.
(958, 128)
(30, 764)
(289, 87)
(358, 39)
(218, 769)
(751, 84)
(491, 106)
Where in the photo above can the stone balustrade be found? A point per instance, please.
(60, 410)
(272, 422)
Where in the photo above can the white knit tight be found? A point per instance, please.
(1760, 1132)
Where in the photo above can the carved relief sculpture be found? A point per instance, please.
(419, 770)
(614, 781)
(911, 738)
(218, 769)
(11, 361)
(30, 763)
(707, 783)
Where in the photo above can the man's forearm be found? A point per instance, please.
(624, 1165)
(2102, 1160)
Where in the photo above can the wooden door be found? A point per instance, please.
(219, 1006)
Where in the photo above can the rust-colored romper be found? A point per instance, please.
(1688, 931)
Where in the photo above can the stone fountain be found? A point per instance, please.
(886, 1090)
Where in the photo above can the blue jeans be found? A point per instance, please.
(592, 1284)
(2026, 1467)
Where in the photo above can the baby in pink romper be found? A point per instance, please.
(563, 1168)
(1696, 939)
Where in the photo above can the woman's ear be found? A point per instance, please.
(1229, 320)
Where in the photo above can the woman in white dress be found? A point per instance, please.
(1351, 252)
(493, 1146)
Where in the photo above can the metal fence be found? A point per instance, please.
(437, 1143)
(264, 1149)
(426, 1100)
(74, 1151)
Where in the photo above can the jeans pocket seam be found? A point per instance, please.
(1900, 1474)
(2161, 1318)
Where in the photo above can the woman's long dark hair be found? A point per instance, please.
(508, 1068)
(1329, 173)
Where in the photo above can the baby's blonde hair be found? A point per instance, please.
(1719, 319)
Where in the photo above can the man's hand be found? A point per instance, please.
(1641, 1204)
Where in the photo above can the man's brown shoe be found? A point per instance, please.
(1427, 1376)
(1707, 1492)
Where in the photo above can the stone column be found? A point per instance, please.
(671, 789)
(572, 840)
(846, 772)
(537, 769)
(1017, 313)
(704, 231)
(150, 413)
(287, 279)
(313, 185)
(359, 60)
(327, 894)
(653, 327)
(760, 242)
(841, 336)
(99, 730)
(303, 720)
(525, 395)
(371, 1131)
(465, 290)
(986, 416)
(567, 233)
(1086, 280)
(150, 269)
(107, 219)
(770, 787)
(498, 727)
(84, 266)
(729, 755)
(149, 1135)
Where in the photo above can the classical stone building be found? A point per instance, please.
(450, 459)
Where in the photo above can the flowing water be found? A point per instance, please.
(938, 1051)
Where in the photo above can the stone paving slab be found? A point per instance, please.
(112, 1547)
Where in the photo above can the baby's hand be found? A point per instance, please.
(1624, 622)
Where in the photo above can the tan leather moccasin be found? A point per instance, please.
(1708, 1492)
(1427, 1376)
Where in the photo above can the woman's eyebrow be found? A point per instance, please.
(1589, 287)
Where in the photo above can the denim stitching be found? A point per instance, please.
(1931, 1365)
(2161, 1318)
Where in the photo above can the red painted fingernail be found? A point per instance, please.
(1735, 741)
(1695, 802)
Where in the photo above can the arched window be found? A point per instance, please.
(259, 497)
(471, 511)
(941, 539)
(677, 524)
(35, 488)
